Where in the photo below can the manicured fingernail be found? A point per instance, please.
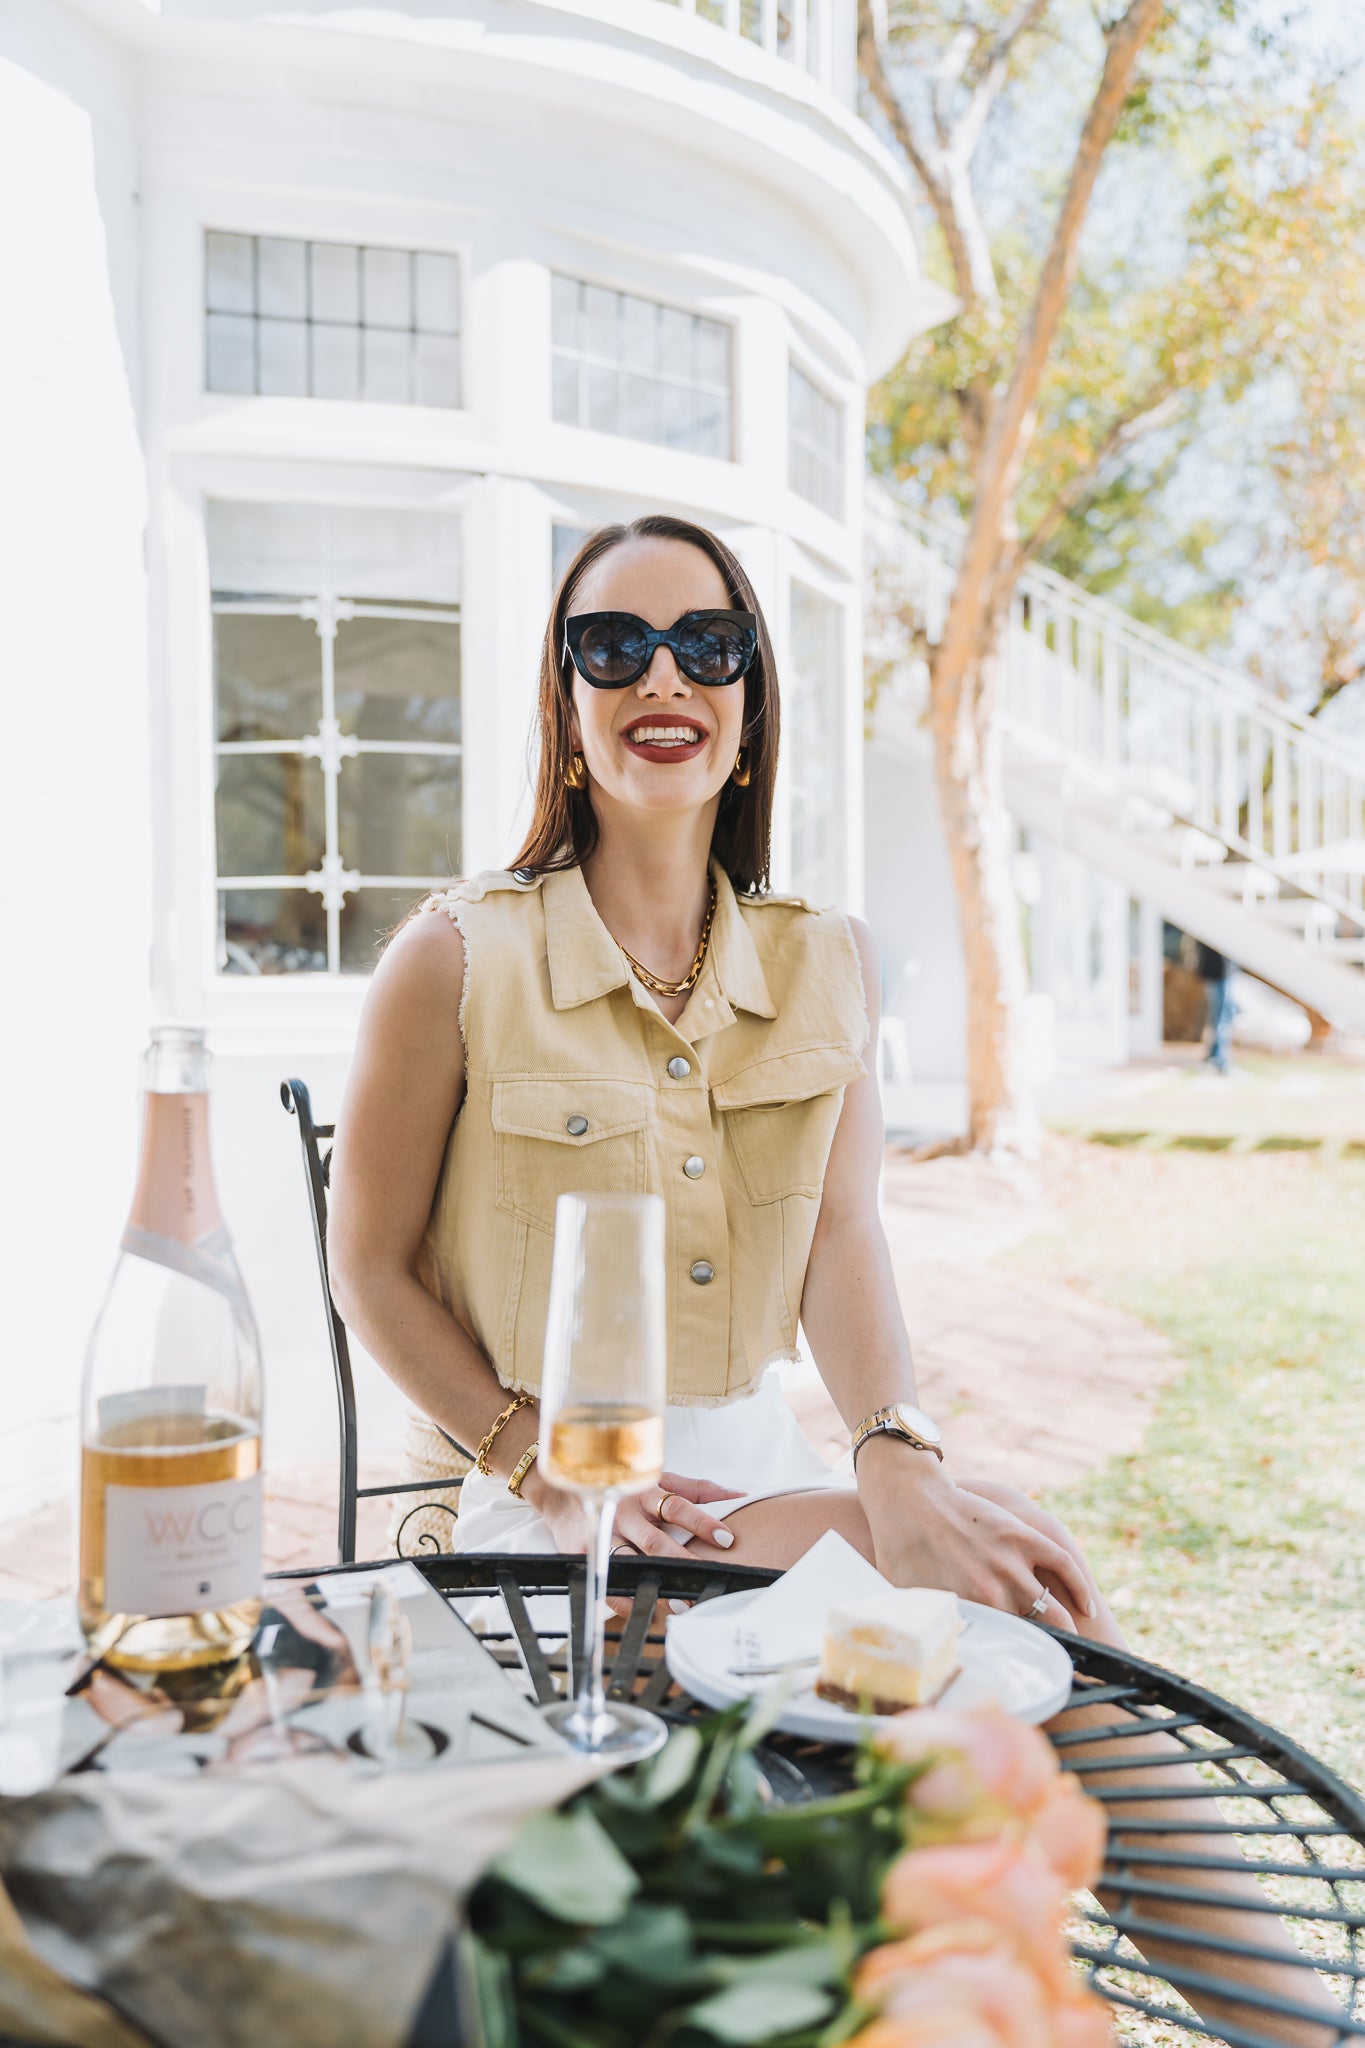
(725, 1537)
(1091, 1609)
(678, 1606)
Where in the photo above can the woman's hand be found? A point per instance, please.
(929, 1531)
(1027, 1509)
(638, 1524)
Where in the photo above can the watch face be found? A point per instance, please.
(918, 1423)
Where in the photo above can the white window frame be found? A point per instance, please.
(330, 746)
(328, 238)
(799, 565)
(800, 362)
(186, 977)
(583, 274)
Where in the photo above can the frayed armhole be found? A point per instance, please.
(453, 908)
(865, 1046)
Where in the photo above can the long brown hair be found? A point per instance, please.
(564, 829)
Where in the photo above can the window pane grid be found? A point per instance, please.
(325, 907)
(294, 319)
(815, 438)
(639, 368)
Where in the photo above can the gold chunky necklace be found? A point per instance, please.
(658, 987)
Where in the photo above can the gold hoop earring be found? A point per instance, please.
(741, 769)
(576, 774)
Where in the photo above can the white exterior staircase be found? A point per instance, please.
(1238, 820)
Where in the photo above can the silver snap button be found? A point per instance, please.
(576, 1126)
(694, 1167)
(679, 1068)
(703, 1271)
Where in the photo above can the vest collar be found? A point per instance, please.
(585, 961)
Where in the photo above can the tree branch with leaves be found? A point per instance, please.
(1071, 345)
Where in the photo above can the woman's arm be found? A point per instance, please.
(405, 1087)
(926, 1529)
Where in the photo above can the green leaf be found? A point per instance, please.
(575, 1968)
(653, 1942)
(662, 1778)
(732, 1854)
(811, 1962)
(488, 1976)
(759, 2012)
(568, 1865)
(743, 1787)
(766, 1711)
(666, 1774)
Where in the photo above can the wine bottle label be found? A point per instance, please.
(182, 1549)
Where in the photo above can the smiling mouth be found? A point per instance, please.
(658, 742)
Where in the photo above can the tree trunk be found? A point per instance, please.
(969, 773)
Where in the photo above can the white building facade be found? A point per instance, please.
(322, 341)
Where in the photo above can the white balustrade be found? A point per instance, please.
(1086, 686)
(818, 37)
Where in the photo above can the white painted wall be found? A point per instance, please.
(913, 912)
(75, 851)
(1077, 1014)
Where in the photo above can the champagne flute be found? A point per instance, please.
(602, 1420)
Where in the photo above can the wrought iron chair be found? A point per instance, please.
(317, 1167)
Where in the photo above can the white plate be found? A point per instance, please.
(1005, 1661)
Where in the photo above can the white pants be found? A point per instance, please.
(755, 1445)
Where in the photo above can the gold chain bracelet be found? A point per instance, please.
(481, 1463)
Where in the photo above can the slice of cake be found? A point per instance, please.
(890, 1651)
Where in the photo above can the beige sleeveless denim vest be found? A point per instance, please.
(575, 1081)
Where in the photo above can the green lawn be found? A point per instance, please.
(1233, 1543)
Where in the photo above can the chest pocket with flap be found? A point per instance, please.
(780, 1116)
(557, 1135)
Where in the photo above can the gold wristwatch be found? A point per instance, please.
(900, 1419)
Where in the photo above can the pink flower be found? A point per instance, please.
(989, 1773)
(1004, 1882)
(1069, 1830)
(987, 1756)
(957, 1986)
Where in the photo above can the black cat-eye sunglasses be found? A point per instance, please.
(611, 650)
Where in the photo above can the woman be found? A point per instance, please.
(628, 1008)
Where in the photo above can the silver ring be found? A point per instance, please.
(1039, 1604)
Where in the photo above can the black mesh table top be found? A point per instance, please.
(1211, 1812)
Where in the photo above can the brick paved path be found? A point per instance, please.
(1031, 1381)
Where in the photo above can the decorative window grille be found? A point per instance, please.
(289, 319)
(812, 735)
(624, 365)
(338, 738)
(815, 443)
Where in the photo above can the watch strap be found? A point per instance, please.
(887, 1422)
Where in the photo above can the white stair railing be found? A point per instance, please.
(1085, 686)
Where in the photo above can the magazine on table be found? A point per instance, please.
(369, 1664)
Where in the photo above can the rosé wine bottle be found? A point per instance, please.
(170, 1514)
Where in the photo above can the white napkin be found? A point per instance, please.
(786, 1622)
